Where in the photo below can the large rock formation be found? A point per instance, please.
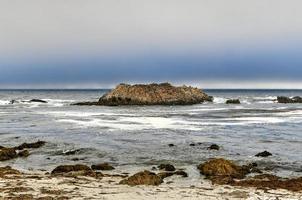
(282, 99)
(152, 94)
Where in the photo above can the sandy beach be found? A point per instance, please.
(37, 185)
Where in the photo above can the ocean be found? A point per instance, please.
(132, 137)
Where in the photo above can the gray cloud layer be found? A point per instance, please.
(108, 41)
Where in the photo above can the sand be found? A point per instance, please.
(37, 185)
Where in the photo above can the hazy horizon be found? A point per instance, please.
(100, 43)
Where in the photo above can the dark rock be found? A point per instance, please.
(73, 170)
(143, 178)
(13, 101)
(181, 173)
(167, 167)
(192, 145)
(233, 101)
(171, 145)
(38, 101)
(30, 145)
(264, 154)
(102, 166)
(7, 154)
(24, 153)
(214, 147)
(282, 99)
(152, 94)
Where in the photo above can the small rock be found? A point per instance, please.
(7, 154)
(8, 171)
(181, 173)
(102, 166)
(24, 153)
(143, 178)
(264, 154)
(33, 145)
(38, 101)
(214, 147)
(171, 145)
(233, 101)
(167, 167)
(192, 145)
(73, 170)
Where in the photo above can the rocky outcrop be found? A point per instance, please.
(152, 94)
(8, 171)
(143, 178)
(233, 101)
(282, 99)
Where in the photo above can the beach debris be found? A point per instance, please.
(33, 145)
(143, 178)
(283, 99)
(102, 166)
(73, 170)
(263, 154)
(151, 94)
(268, 181)
(214, 147)
(166, 167)
(232, 101)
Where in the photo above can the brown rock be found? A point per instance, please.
(30, 145)
(102, 166)
(73, 170)
(143, 178)
(152, 94)
(8, 171)
(7, 154)
(24, 153)
(222, 167)
(271, 182)
(164, 175)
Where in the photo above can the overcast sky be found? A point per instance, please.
(99, 43)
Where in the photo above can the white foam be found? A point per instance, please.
(219, 100)
(4, 102)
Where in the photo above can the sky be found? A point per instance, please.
(100, 43)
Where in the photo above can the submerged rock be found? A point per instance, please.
(73, 170)
(38, 101)
(283, 99)
(24, 153)
(214, 147)
(164, 175)
(167, 167)
(102, 166)
(143, 178)
(7, 154)
(33, 145)
(152, 94)
(264, 154)
(233, 101)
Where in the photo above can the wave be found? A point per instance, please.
(4, 102)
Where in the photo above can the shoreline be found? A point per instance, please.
(38, 185)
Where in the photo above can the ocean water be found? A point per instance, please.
(133, 137)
